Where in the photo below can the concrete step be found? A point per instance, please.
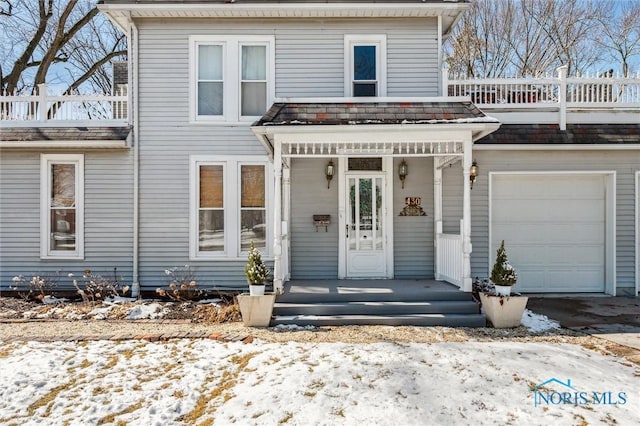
(447, 320)
(372, 295)
(377, 308)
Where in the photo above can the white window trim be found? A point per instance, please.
(46, 160)
(232, 210)
(232, 69)
(379, 40)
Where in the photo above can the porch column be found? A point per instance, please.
(437, 213)
(277, 218)
(467, 159)
(286, 219)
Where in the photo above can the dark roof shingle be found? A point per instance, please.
(64, 133)
(575, 134)
(353, 113)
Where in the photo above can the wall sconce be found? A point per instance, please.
(329, 171)
(473, 172)
(403, 171)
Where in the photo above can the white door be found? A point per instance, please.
(365, 226)
(554, 228)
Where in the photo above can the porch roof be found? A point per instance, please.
(550, 134)
(359, 113)
(372, 126)
(65, 137)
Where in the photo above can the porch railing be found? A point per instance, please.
(450, 257)
(44, 108)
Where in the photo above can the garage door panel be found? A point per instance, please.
(582, 210)
(554, 230)
(546, 186)
(539, 233)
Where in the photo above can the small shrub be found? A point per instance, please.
(503, 273)
(96, 287)
(38, 287)
(182, 285)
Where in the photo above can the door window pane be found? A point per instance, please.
(211, 208)
(252, 207)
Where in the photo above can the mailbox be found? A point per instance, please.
(320, 220)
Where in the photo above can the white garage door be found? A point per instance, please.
(554, 230)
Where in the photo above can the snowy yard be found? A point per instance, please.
(196, 381)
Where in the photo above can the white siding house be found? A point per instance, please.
(236, 111)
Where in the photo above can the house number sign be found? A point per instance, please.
(413, 207)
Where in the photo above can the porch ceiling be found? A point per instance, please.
(394, 128)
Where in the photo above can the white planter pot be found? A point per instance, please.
(503, 312)
(256, 290)
(256, 310)
(503, 290)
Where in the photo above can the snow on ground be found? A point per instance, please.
(189, 381)
(146, 311)
(537, 323)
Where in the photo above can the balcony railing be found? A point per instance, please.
(562, 93)
(43, 108)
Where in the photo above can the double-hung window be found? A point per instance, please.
(62, 201)
(229, 206)
(365, 65)
(232, 77)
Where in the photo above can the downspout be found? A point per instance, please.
(133, 69)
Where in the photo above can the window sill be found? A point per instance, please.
(226, 259)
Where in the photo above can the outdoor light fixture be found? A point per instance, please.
(473, 172)
(329, 170)
(403, 171)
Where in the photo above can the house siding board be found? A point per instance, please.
(623, 163)
(314, 255)
(303, 48)
(108, 223)
(413, 235)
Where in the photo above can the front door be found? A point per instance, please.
(365, 226)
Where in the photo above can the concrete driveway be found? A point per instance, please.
(612, 318)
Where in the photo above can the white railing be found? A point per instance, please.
(42, 107)
(450, 258)
(578, 91)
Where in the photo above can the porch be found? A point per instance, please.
(363, 143)
(376, 302)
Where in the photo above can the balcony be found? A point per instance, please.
(43, 109)
(552, 100)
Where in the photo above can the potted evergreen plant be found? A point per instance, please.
(256, 272)
(503, 274)
(501, 308)
(256, 307)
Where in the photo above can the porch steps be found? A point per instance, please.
(433, 308)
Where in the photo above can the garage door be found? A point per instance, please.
(554, 230)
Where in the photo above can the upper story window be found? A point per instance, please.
(232, 77)
(365, 65)
(62, 200)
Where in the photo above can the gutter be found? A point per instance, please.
(134, 77)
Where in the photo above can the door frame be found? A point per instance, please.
(637, 225)
(343, 175)
(610, 218)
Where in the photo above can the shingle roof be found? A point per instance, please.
(64, 133)
(351, 113)
(575, 134)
